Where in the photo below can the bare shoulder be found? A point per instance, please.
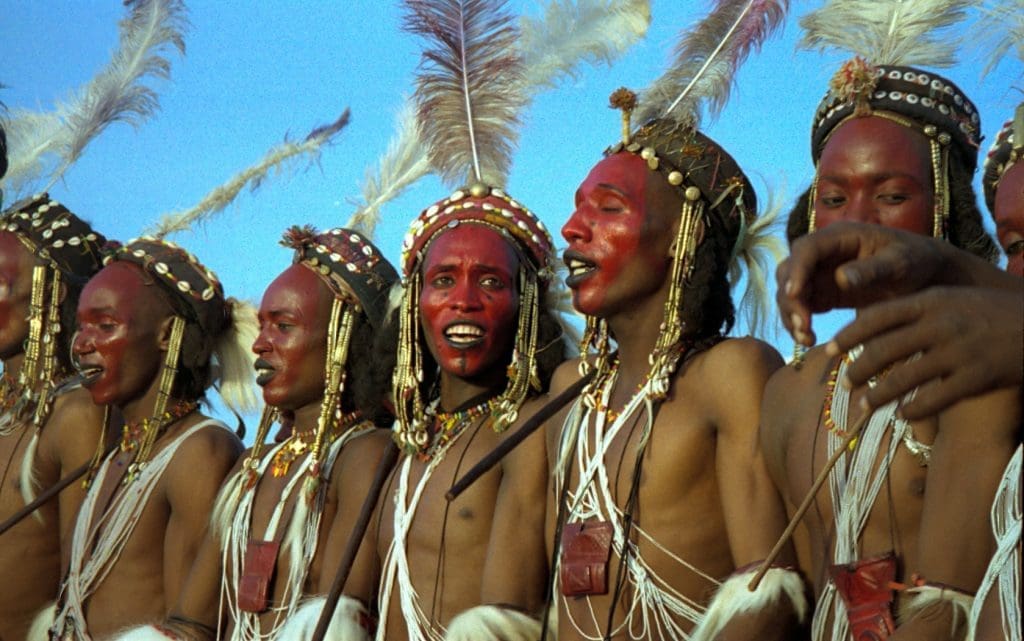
(360, 456)
(74, 426)
(565, 375)
(741, 360)
(206, 455)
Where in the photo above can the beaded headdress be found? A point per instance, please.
(713, 189)
(196, 298)
(887, 37)
(68, 251)
(360, 278)
(469, 129)
(1006, 151)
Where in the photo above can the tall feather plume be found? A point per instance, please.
(469, 88)
(890, 32)
(595, 31)
(1000, 30)
(552, 47)
(706, 59)
(116, 94)
(276, 160)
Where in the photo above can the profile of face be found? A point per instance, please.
(291, 347)
(876, 171)
(1008, 212)
(470, 300)
(123, 323)
(619, 238)
(16, 264)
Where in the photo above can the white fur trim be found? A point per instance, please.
(144, 633)
(344, 626)
(734, 598)
(41, 624)
(920, 598)
(493, 623)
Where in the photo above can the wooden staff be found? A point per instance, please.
(802, 510)
(529, 427)
(355, 539)
(49, 493)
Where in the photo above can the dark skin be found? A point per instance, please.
(487, 546)
(119, 309)
(704, 493)
(292, 349)
(31, 556)
(881, 271)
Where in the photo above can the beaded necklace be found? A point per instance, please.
(137, 435)
(449, 425)
(299, 443)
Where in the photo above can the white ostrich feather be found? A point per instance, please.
(116, 94)
(1000, 31)
(569, 33)
(888, 32)
(276, 160)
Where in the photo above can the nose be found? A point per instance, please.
(261, 345)
(862, 208)
(81, 343)
(465, 295)
(576, 229)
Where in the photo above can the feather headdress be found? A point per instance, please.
(274, 161)
(470, 87)
(552, 47)
(116, 94)
(888, 32)
(707, 58)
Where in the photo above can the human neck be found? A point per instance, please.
(306, 418)
(636, 331)
(456, 392)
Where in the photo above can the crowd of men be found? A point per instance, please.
(651, 503)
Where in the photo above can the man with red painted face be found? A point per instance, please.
(46, 430)
(894, 146)
(151, 323)
(287, 509)
(661, 497)
(477, 341)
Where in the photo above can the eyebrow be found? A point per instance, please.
(878, 178)
(611, 187)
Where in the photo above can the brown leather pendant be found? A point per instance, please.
(866, 588)
(257, 576)
(586, 549)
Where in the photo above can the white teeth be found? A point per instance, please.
(263, 371)
(463, 333)
(577, 267)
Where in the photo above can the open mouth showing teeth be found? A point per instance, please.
(463, 334)
(264, 374)
(578, 267)
(89, 373)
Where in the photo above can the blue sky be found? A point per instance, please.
(255, 71)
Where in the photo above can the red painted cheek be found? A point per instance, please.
(1015, 264)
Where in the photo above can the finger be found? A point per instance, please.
(908, 375)
(874, 321)
(889, 349)
(941, 394)
(874, 276)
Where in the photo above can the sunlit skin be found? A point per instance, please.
(469, 299)
(118, 340)
(124, 331)
(15, 290)
(30, 557)
(876, 171)
(1008, 212)
(292, 344)
(616, 253)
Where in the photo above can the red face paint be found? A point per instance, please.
(16, 264)
(1008, 212)
(876, 171)
(118, 343)
(615, 254)
(469, 303)
(292, 343)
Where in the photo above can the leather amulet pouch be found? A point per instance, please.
(586, 549)
(257, 573)
(866, 588)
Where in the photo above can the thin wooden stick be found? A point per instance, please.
(806, 504)
(49, 493)
(355, 539)
(529, 426)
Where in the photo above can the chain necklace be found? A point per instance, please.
(133, 432)
(449, 425)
